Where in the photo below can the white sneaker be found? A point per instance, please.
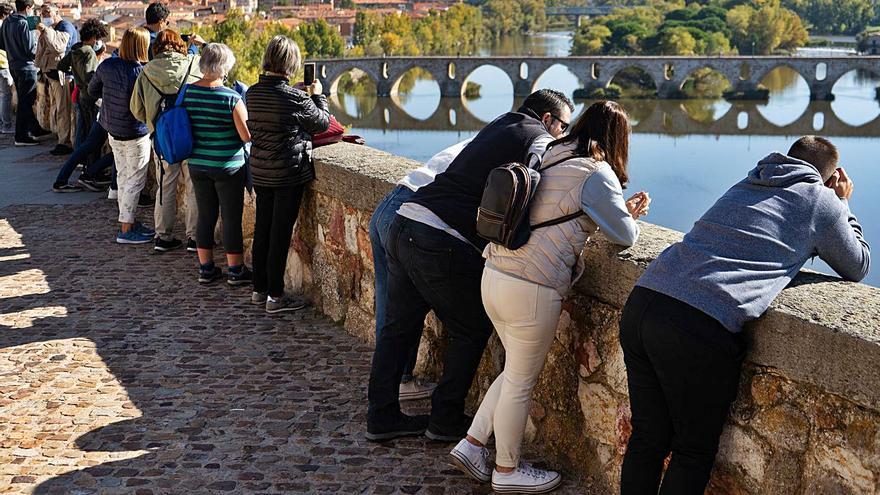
(112, 194)
(416, 389)
(472, 460)
(525, 479)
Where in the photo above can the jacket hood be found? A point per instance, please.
(778, 170)
(168, 69)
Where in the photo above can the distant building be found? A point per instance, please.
(870, 44)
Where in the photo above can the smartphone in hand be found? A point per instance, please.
(308, 73)
(185, 37)
(32, 21)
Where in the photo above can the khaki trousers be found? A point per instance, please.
(165, 214)
(525, 316)
(61, 116)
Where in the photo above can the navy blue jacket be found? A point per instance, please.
(19, 42)
(114, 82)
(67, 27)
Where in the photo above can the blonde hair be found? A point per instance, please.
(135, 45)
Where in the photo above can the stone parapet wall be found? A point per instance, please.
(807, 419)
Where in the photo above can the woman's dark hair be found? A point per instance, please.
(93, 29)
(602, 133)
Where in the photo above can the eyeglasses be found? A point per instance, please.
(565, 125)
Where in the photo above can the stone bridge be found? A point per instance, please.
(669, 73)
(649, 116)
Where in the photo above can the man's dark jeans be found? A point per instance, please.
(26, 90)
(683, 369)
(380, 224)
(429, 269)
(93, 143)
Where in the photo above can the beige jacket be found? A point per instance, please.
(552, 256)
(50, 49)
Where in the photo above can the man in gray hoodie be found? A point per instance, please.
(680, 328)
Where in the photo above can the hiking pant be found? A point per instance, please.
(132, 158)
(380, 223)
(26, 90)
(165, 212)
(61, 110)
(525, 315)
(219, 194)
(277, 210)
(683, 370)
(429, 269)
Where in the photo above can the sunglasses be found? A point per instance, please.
(565, 125)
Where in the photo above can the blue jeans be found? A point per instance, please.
(6, 121)
(91, 145)
(26, 87)
(380, 222)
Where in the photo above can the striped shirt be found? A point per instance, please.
(216, 143)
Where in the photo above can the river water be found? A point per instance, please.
(684, 153)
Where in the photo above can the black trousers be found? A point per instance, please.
(277, 210)
(25, 81)
(683, 369)
(429, 269)
(219, 194)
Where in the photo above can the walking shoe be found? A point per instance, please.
(61, 149)
(240, 275)
(28, 141)
(144, 200)
(259, 298)
(284, 303)
(132, 237)
(404, 426)
(113, 194)
(102, 180)
(208, 275)
(61, 187)
(416, 389)
(162, 246)
(41, 133)
(7, 130)
(89, 184)
(525, 479)
(143, 229)
(191, 245)
(472, 460)
(449, 433)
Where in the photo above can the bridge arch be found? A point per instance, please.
(657, 76)
(329, 75)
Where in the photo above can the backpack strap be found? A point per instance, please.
(557, 221)
(180, 95)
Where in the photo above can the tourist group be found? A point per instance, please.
(489, 234)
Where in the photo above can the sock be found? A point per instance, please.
(207, 267)
(235, 270)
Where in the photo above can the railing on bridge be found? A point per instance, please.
(669, 73)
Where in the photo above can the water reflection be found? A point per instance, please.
(852, 94)
(789, 96)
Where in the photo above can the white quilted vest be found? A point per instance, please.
(552, 256)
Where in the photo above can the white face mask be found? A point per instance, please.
(48, 21)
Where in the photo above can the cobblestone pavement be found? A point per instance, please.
(120, 374)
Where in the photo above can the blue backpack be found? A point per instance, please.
(173, 138)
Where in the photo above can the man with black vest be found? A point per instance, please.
(435, 262)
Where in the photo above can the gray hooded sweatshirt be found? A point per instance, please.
(753, 241)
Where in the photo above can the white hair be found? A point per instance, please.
(217, 60)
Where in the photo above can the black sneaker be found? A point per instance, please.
(449, 433)
(208, 276)
(102, 180)
(285, 303)
(65, 188)
(145, 201)
(28, 141)
(90, 184)
(191, 245)
(242, 277)
(405, 426)
(41, 133)
(60, 150)
(163, 246)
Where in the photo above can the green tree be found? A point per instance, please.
(678, 41)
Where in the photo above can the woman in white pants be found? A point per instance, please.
(523, 289)
(129, 138)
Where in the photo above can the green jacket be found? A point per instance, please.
(166, 72)
(82, 62)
